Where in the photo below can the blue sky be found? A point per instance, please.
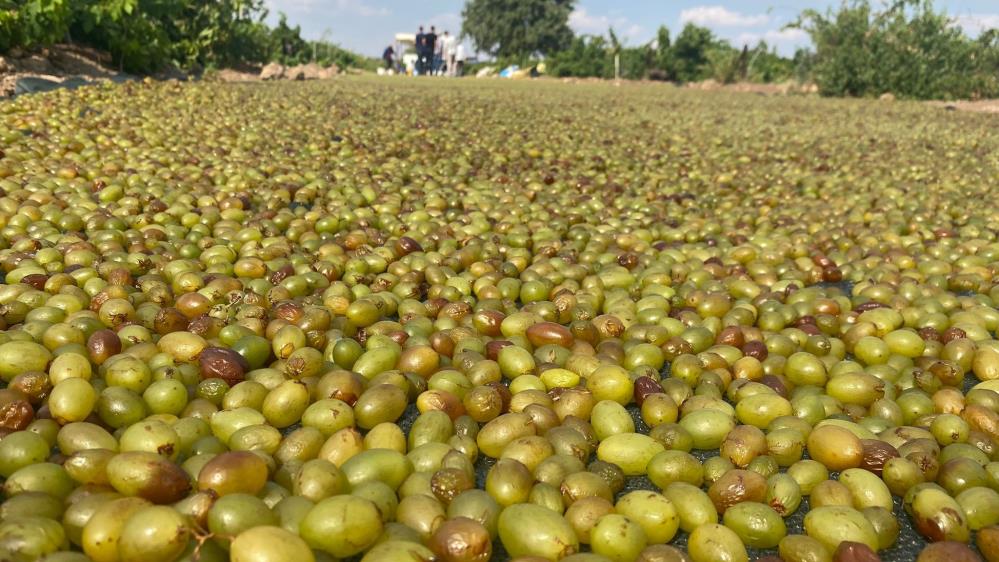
(367, 26)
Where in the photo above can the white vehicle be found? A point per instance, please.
(405, 52)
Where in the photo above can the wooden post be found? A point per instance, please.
(617, 66)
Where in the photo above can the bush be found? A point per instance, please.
(909, 50)
(147, 35)
(30, 23)
(587, 56)
(695, 55)
(766, 66)
(691, 54)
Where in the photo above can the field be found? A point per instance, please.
(479, 320)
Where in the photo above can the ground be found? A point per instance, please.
(642, 222)
(62, 62)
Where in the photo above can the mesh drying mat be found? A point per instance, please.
(906, 548)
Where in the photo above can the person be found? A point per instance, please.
(440, 52)
(430, 43)
(421, 45)
(459, 58)
(387, 56)
(448, 50)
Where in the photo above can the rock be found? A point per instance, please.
(329, 72)
(231, 75)
(658, 75)
(272, 71)
(311, 71)
(8, 85)
(295, 73)
(37, 64)
(5, 66)
(887, 96)
(32, 84)
(71, 60)
(171, 72)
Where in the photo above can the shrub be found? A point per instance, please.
(909, 49)
(146, 35)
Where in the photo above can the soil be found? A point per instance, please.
(979, 106)
(65, 62)
(777, 89)
(57, 63)
(67, 65)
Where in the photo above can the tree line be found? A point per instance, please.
(145, 36)
(908, 49)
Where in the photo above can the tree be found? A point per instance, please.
(908, 49)
(518, 28)
(31, 23)
(691, 51)
(844, 62)
(766, 66)
(288, 45)
(637, 62)
(585, 56)
(663, 53)
(148, 35)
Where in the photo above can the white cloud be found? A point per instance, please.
(772, 37)
(581, 21)
(352, 7)
(448, 21)
(291, 6)
(977, 23)
(360, 8)
(633, 31)
(720, 16)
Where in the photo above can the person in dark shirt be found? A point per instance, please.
(421, 46)
(430, 41)
(387, 56)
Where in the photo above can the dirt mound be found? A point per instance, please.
(310, 71)
(775, 89)
(231, 75)
(979, 106)
(67, 65)
(55, 65)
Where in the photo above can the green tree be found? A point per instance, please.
(690, 53)
(765, 65)
(987, 45)
(637, 62)
(287, 45)
(844, 58)
(133, 31)
(518, 29)
(587, 55)
(29, 23)
(664, 52)
(908, 49)
(144, 35)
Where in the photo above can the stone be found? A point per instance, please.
(272, 71)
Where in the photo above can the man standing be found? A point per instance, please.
(421, 46)
(388, 55)
(430, 40)
(459, 58)
(439, 54)
(448, 50)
